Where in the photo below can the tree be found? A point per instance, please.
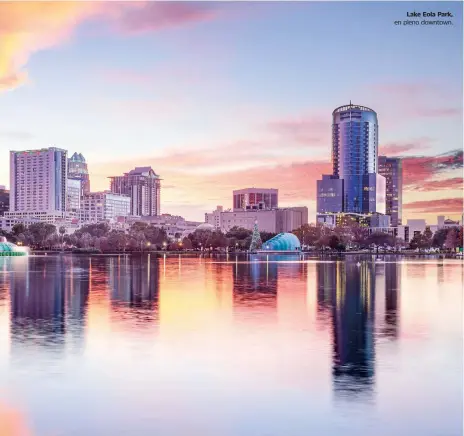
(41, 233)
(84, 240)
(380, 239)
(256, 242)
(187, 244)
(239, 233)
(451, 241)
(335, 243)
(420, 241)
(18, 229)
(439, 238)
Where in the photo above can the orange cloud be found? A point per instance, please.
(12, 423)
(27, 27)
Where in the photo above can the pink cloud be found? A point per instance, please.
(395, 149)
(311, 131)
(155, 16)
(449, 205)
(438, 185)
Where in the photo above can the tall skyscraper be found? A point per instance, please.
(143, 186)
(392, 169)
(355, 185)
(77, 169)
(38, 181)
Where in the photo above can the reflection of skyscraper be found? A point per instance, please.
(38, 303)
(392, 288)
(353, 305)
(326, 284)
(77, 299)
(134, 286)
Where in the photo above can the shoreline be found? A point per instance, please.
(242, 253)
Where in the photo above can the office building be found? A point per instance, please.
(255, 199)
(330, 195)
(104, 206)
(274, 220)
(74, 191)
(77, 169)
(38, 180)
(392, 169)
(143, 186)
(355, 185)
(4, 200)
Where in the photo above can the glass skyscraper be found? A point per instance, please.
(354, 163)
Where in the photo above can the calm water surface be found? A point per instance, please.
(230, 347)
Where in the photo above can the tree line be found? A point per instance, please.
(143, 237)
(354, 236)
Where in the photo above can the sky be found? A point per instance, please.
(222, 96)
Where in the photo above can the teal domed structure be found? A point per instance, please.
(10, 249)
(283, 242)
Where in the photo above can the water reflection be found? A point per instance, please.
(348, 289)
(276, 332)
(38, 304)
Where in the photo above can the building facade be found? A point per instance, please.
(255, 199)
(4, 200)
(38, 184)
(273, 221)
(392, 169)
(355, 185)
(103, 206)
(74, 191)
(143, 186)
(77, 169)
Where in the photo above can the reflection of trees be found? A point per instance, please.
(255, 282)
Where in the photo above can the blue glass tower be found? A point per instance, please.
(355, 185)
(355, 157)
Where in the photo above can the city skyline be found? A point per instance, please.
(179, 87)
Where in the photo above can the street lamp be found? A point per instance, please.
(164, 245)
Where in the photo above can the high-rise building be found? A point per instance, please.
(392, 169)
(355, 185)
(255, 199)
(38, 180)
(143, 186)
(97, 207)
(4, 200)
(77, 169)
(74, 192)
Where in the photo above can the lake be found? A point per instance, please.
(230, 346)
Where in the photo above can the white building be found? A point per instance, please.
(38, 181)
(73, 189)
(273, 221)
(103, 206)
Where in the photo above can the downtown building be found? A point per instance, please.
(38, 187)
(143, 186)
(392, 169)
(355, 187)
(257, 205)
(106, 206)
(78, 170)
